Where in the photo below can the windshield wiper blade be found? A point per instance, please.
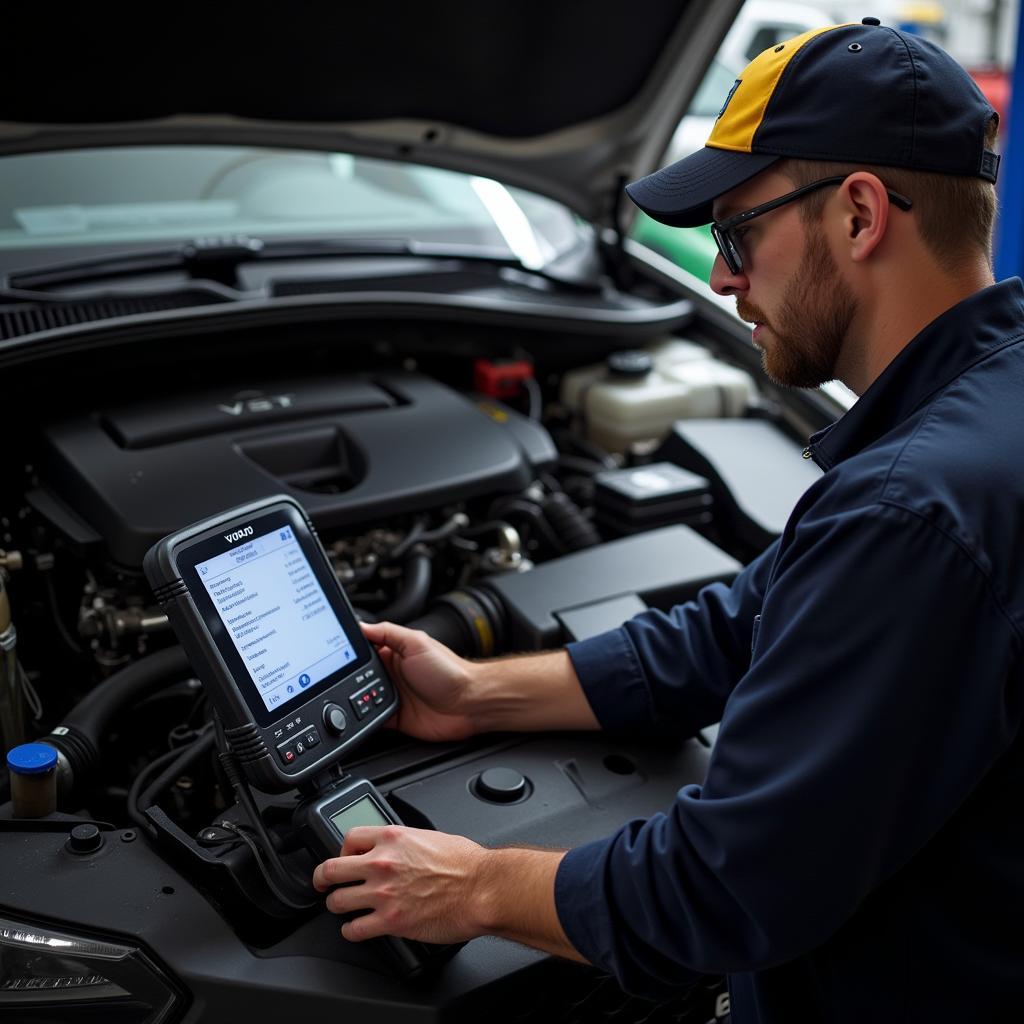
(218, 259)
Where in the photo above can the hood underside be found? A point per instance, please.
(567, 99)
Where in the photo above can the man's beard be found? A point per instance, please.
(812, 321)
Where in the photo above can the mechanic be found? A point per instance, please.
(856, 852)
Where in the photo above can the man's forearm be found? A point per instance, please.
(516, 897)
(526, 694)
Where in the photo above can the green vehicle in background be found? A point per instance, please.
(758, 25)
(693, 249)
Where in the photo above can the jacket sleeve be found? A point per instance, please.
(879, 693)
(672, 673)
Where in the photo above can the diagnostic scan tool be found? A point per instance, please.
(270, 632)
(268, 629)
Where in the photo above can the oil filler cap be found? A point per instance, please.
(84, 839)
(501, 786)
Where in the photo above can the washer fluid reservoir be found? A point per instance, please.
(636, 395)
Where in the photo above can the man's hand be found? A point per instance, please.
(418, 884)
(444, 697)
(432, 682)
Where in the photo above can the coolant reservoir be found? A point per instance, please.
(638, 394)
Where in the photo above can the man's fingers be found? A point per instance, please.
(361, 839)
(366, 926)
(338, 871)
(387, 634)
(387, 656)
(348, 899)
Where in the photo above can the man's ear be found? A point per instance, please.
(865, 214)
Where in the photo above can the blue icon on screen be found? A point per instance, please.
(286, 534)
(303, 680)
(291, 689)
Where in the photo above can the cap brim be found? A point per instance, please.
(682, 193)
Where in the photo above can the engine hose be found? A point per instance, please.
(418, 572)
(170, 766)
(470, 621)
(77, 738)
(567, 520)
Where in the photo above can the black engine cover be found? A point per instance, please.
(350, 449)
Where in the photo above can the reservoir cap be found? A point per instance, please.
(31, 758)
(630, 363)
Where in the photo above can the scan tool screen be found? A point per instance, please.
(276, 615)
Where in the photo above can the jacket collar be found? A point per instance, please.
(952, 343)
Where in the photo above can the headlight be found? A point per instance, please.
(48, 976)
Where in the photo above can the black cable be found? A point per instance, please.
(257, 854)
(186, 756)
(568, 521)
(456, 524)
(141, 780)
(415, 534)
(549, 481)
(170, 765)
(244, 797)
(536, 517)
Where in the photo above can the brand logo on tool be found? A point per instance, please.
(238, 534)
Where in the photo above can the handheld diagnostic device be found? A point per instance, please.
(327, 818)
(267, 627)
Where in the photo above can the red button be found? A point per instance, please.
(289, 756)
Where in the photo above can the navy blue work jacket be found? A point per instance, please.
(856, 852)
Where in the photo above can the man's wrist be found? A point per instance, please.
(513, 897)
(472, 700)
(503, 881)
(485, 908)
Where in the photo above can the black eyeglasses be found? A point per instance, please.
(728, 243)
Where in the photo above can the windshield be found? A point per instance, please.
(154, 193)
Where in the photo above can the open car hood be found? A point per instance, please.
(569, 100)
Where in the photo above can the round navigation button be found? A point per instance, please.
(501, 785)
(334, 719)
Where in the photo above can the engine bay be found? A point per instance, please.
(492, 488)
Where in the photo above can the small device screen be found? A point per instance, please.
(363, 812)
(276, 615)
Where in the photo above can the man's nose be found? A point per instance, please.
(724, 281)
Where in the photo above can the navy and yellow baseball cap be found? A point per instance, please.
(859, 93)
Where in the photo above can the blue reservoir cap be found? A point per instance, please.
(31, 758)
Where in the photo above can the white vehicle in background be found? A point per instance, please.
(763, 23)
(759, 24)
